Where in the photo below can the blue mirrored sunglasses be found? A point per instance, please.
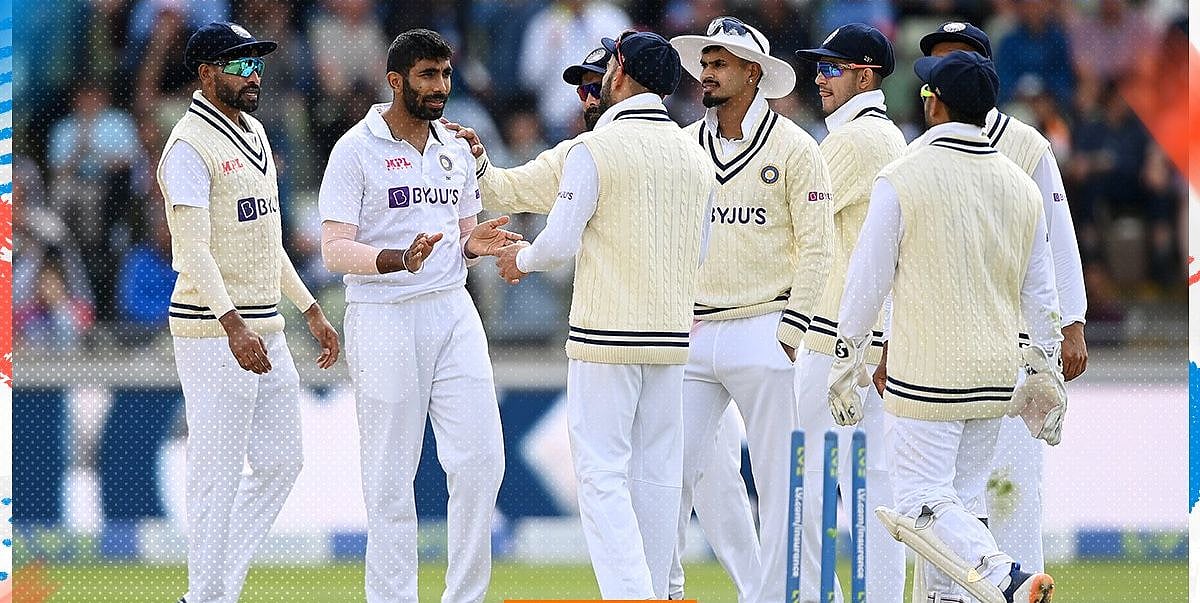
(242, 67)
(586, 90)
(832, 70)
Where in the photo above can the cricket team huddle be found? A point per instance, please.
(732, 274)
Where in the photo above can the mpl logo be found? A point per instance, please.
(228, 167)
(398, 163)
(251, 208)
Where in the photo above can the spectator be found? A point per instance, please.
(562, 31)
(144, 283)
(1038, 47)
(348, 46)
(93, 154)
(1106, 45)
(54, 316)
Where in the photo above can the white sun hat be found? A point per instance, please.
(744, 42)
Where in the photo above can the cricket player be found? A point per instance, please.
(240, 387)
(721, 502)
(770, 230)
(633, 205)
(956, 232)
(851, 65)
(398, 206)
(1020, 458)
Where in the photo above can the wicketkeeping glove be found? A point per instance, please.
(1041, 401)
(847, 379)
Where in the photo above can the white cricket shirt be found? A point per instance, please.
(392, 192)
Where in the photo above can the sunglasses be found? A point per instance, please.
(586, 90)
(832, 70)
(926, 92)
(733, 26)
(242, 67)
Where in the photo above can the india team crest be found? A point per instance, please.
(954, 27)
(239, 30)
(445, 162)
(769, 174)
(831, 36)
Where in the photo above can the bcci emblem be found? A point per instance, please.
(954, 27)
(769, 174)
(445, 162)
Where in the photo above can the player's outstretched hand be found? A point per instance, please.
(488, 238)
(506, 261)
(247, 347)
(325, 335)
(467, 134)
(420, 249)
(1074, 351)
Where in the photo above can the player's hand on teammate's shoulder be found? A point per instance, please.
(467, 134)
(506, 261)
(325, 335)
(488, 238)
(247, 346)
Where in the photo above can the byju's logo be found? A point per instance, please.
(403, 196)
(250, 208)
(398, 197)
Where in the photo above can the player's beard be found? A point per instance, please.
(591, 116)
(710, 99)
(415, 103)
(236, 98)
(605, 97)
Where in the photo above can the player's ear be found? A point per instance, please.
(393, 80)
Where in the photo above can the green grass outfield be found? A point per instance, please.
(1091, 582)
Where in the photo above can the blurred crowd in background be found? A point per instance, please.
(102, 82)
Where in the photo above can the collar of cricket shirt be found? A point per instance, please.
(957, 136)
(379, 127)
(867, 103)
(758, 109)
(244, 137)
(645, 106)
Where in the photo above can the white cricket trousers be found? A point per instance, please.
(235, 418)
(885, 559)
(723, 510)
(945, 465)
(425, 357)
(1016, 518)
(627, 446)
(742, 359)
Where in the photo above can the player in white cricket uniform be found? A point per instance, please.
(632, 204)
(768, 262)
(396, 185)
(721, 501)
(1020, 458)
(955, 231)
(851, 65)
(240, 387)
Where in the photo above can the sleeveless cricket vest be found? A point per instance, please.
(855, 153)
(246, 234)
(635, 275)
(1022, 144)
(1016, 140)
(969, 218)
(770, 199)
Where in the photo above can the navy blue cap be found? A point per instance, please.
(223, 40)
(966, 81)
(649, 59)
(596, 61)
(855, 43)
(958, 31)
